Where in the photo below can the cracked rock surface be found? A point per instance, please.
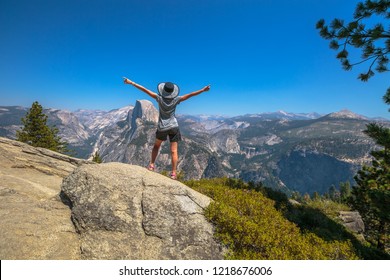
(34, 223)
(123, 211)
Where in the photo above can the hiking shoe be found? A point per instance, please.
(151, 167)
(173, 176)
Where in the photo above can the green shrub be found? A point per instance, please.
(247, 222)
(321, 217)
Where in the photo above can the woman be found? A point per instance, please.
(167, 98)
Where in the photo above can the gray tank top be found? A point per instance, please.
(167, 108)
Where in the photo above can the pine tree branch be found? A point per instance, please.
(367, 59)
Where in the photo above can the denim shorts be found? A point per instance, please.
(173, 133)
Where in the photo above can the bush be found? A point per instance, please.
(247, 222)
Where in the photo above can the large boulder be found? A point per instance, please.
(127, 212)
(34, 222)
(353, 221)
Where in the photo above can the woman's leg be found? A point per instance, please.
(174, 156)
(156, 148)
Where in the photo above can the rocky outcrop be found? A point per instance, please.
(144, 110)
(107, 211)
(127, 212)
(34, 222)
(143, 121)
(131, 139)
(71, 129)
(353, 221)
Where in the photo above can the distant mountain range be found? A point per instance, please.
(292, 152)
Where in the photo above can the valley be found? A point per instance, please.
(290, 152)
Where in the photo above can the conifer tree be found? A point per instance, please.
(96, 158)
(372, 39)
(37, 133)
(345, 191)
(371, 195)
(333, 193)
(316, 196)
(306, 197)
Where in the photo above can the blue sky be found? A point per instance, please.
(258, 56)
